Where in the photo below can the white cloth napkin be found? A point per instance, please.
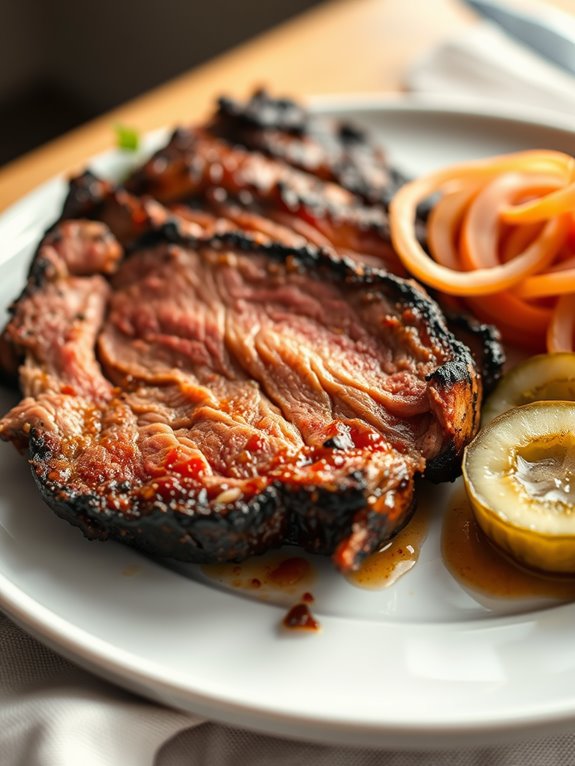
(484, 63)
(52, 713)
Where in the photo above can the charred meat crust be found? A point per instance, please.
(321, 521)
(333, 150)
(261, 111)
(484, 342)
(190, 532)
(197, 166)
(85, 192)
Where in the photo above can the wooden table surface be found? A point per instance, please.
(339, 46)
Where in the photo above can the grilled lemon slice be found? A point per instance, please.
(519, 473)
(542, 377)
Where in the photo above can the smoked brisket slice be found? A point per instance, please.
(214, 394)
(328, 149)
(197, 168)
(326, 180)
(129, 217)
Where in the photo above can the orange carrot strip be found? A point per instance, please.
(556, 203)
(480, 230)
(444, 222)
(517, 240)
(520, 323)
(484, 280)
(562, 326)
(557, 282)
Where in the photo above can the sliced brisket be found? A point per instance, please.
(325, 180)
(218, 393)
(331, 150)
(213, 361)
(198, 168)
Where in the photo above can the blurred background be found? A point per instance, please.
(63, 62)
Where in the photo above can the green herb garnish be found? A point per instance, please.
(127, 139)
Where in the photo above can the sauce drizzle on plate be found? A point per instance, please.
(273, 573)
(383, 568)
(476, 563)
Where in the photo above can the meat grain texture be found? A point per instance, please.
(216, 371)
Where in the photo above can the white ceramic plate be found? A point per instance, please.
(423, 663)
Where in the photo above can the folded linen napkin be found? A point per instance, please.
(53, 713)
(485, 63)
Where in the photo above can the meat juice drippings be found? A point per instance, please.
(271, 573)
(476, 563)
(299, 617)
(274, 574)
(384, 567)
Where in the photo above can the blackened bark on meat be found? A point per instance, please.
(484, 342)
(190, 531)
(261, 111)
(86, 193)
(329, 149)
(197, 165)
(325, 521)
(128, 217)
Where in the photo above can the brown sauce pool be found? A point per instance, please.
(476, 563)
(386, 566)
(284, 578)
(466, 552)
(272, 573)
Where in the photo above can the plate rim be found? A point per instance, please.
(445, 103)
